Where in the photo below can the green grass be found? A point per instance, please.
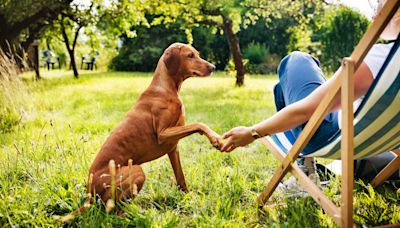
(45, 159)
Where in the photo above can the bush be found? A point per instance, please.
(260, 61)
(341, 30)
(270, 65)
(301, 40)
(274, 36)
(255, 53)
(137, 59)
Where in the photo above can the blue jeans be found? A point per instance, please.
(299, 75)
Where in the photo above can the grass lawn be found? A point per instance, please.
(45, 159)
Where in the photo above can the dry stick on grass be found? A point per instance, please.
(130, 161)
(111, 202)
(132, 188)
(89, 195)
(120, 179)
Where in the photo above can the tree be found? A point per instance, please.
(21, 21)
(70, 23)
(223, 15)
(228, 16)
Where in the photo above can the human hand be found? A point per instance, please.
(236, 137)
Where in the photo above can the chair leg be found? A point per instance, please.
(315, 192)
(347, 143)
(279, 174)
(386, 172)
(347, 193)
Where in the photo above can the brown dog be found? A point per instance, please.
(151, 129)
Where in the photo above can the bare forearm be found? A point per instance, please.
(300, 112)
(287, 118)
(294, 114)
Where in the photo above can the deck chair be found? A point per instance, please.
(374, 127)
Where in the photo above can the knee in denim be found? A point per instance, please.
(299, 55)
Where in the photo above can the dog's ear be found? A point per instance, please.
(171, 59)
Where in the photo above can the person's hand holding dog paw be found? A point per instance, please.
(236, 137)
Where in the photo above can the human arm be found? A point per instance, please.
(297, 113)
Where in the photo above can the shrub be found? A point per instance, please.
(256, 53)
(141, 59)
(341, 30)
(260, 61)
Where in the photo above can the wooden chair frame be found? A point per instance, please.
(344, 83)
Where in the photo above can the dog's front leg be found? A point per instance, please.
(176, 166)
(173, 134)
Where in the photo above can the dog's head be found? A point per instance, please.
(183, 60)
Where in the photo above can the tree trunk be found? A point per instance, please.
(73, 63)
(71, 51)
(234, 46)
(33, 58)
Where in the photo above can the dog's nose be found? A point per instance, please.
(211, 67)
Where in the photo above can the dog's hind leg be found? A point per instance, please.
(131, 181)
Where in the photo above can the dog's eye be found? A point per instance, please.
(191, 55)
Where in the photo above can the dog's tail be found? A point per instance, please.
(71, 216)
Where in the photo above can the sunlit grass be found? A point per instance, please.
(45, 159)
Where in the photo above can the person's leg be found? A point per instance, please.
(278, 97)
(299, 74)
(367, 168)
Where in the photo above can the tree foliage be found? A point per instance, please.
(263, 30)
(21, 21)
(340, 30)
(222, 16)
(142, 52)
